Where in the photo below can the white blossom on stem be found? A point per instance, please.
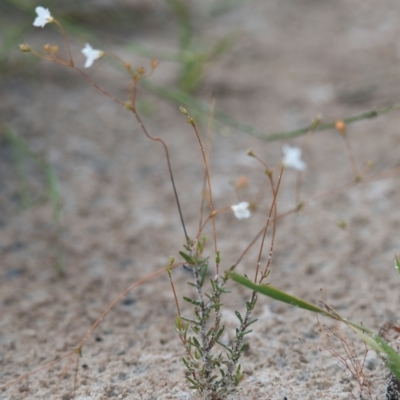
(292, 158)
(241, 210)
(91, 55)
(43, 17)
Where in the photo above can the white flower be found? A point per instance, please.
(241, 210)
(292, 158)
(43, 17)
(91, 55)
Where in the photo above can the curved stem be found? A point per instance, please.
(63, 33)
(171, 175)
(99, 88)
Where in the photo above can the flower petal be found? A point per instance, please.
(91, 55)
(43, 17)
(241, 210)
(292, 158)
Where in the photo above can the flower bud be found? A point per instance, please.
(250, 153)
(340, 127)
(128, 105)
(140, 70)
(242, 182)
(25, 48)
(154, 63)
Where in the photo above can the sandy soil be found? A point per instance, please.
(293, 60)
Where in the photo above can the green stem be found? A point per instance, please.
(201, 107)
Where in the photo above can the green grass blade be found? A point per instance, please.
(388, 354)
(201, 110)
(277, 294)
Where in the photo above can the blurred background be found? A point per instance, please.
(86, 202)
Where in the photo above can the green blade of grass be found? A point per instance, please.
(201, 110)
(386, 352)
(277, 294)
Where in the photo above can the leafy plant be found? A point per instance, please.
(214, 374)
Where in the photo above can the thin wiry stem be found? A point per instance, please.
(209, 187)
(64, 35)
(99, 88)
(350, 154)
(209, 132)
(174, 292)
(267, 223)
(171, 175)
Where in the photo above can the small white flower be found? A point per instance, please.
(43, 17)
(241, 210)
(292, 158)
(91, 55)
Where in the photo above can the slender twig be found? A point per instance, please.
(171, 175)
(205, 161)
(43, 367)
(65, 37)
(209, 135)
(98, 87)
(352, 159)
(267, 223)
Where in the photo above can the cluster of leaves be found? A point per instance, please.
(214, 373)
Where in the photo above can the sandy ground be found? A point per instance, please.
(292, 60)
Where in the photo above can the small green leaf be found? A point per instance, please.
(218, 335)
(187, 258)
(225, 346)
(192, 301)
(180, 326)
(196, 329)
(195, 342)
(251, 322)
(203, 272)
(194, 383)
(192, 321)
(239, 316)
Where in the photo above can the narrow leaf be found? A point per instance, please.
(192, 301)
(277, 294)
(239, 316)
(186, 257)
